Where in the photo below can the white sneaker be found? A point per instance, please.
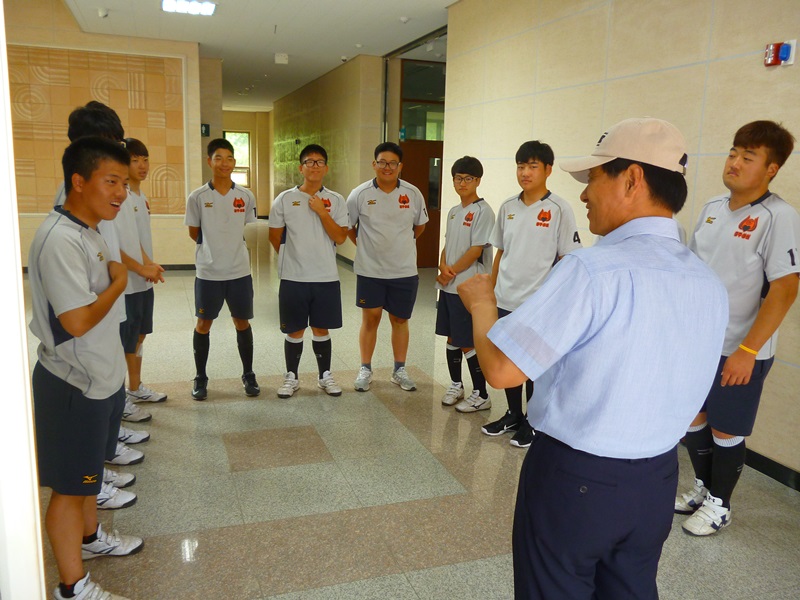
(474, 403)
(133, 413)
(118, 479)
(126, 456)
(363, 380)
(86, 589)
(112, 498)
(144, 394)
(328, 385)
(453, 394)
(709, 518)
(690, 501)
(131, 436)
(289, 386)
(111, 544)
(401, 378)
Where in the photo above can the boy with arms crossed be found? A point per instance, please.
(216, 215)
(387, 215)
(467, 252)
(306, 224)
(534, 229)
(750, 238)
(78, 389)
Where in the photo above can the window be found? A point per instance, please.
(422, 87)
(240, 140)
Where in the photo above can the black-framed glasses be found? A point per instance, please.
(468, 179)
(310, 162)
(383, 164)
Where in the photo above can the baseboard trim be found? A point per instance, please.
(781, 473)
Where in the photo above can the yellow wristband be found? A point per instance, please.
(750, 350)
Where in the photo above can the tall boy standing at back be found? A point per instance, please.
(387, 215)
(306, 224)
(78, 381)
(534, 229)
(136, 246)
(216, 215)
(467, 252)
(750, 238)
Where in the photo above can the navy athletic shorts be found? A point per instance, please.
(395, 296)
(303, 303)
(236, 293)
(75, 435)
(139, 321)
(732, 409)
(453, 320)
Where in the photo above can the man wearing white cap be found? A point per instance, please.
(621, 341)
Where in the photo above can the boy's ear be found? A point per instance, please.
(77, 182)
(772, 169)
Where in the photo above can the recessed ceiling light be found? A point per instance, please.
(189, 7)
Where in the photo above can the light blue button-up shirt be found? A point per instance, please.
(623, 341)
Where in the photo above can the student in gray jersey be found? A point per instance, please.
(533, 230)
(467, 252)
(305, 225)
(216, 215)
(78, 381)
(387, 215)
(750, 238)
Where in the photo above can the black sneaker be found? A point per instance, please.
(250, 384)
(200, 388)
(524, 435)
(505, 424)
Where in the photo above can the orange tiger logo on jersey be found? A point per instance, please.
(238, 205)
(543, 218)
(746, 227)
(327, 204)
(468, 219)
(404, 201)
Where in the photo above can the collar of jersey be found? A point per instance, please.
(545, 197)
(375, 183)
(63, 211)
(211, 185)
(755, 202)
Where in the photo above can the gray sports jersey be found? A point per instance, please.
(127, 232)
(531, 238)
(386, 246)
(67, 269)
(468, 226)
(745, 247)
(221, 252)
(307, 253)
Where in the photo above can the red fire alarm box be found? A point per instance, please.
(772, 54)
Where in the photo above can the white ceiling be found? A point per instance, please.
(246, 34)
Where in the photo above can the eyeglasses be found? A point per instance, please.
(310, 162)
(468, 179)
(382, 164)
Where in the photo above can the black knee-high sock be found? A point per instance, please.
(701, 452)
(728, 465)
(201, 343)
(454, 363)
(292, 353)
(478, 380)
(244, 340)
(322, 350)
(514, 399)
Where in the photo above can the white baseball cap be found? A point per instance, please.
(647, 140)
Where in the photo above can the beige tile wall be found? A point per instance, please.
(565, 70)
(341, 111)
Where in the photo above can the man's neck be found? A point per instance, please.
(310, 188)
(387, 188)
(76, 211)
(469, 200)
(740, 199)
(135, 186)
(532, 196)
(222, 184)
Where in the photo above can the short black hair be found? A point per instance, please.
(83, 156)
(535, 150)
(469, 165)
(389, 147)
(136, 147)
(667, 188)
(775, 138)
(217, 144)
(313, 149)
(95, 119)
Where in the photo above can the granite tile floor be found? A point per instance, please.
(383, 494)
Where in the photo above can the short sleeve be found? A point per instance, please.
(780, 252)
(276, 216)
(568, 238)
(192, 218)
(481, 231)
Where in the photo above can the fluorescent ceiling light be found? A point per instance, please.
(189, 7)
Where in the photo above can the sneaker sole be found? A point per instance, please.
(136, 400)
(518, 445)
(126, 505)
(685, 512)
(285, 395)
(503, 432)
(404, 388)
(693, 534)
(123, 486)
(472, 409)
(135, 461)
(90, 555)
(334, 394)
(128, 419)
(130, 441)
(252, 394)
(456, 401)
(362, 388)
